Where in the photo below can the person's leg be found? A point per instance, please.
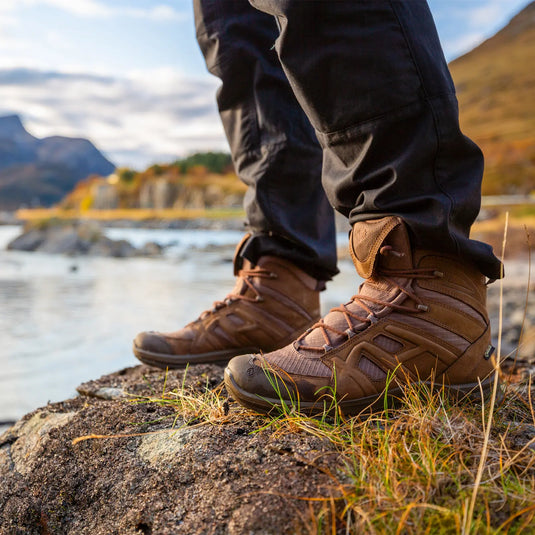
(282, 266)
(273, 145)
(373, 81)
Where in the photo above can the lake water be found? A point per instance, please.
(66, 320)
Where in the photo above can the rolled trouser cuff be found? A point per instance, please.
(269, 244)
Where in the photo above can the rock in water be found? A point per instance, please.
(81, 239)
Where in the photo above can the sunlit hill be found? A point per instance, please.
(495, 84)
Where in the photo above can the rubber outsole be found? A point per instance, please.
(367, 405)
(164, 361)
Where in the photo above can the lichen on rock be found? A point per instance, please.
(32, 436)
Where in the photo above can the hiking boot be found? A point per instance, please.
(271, 304)
(419, 316)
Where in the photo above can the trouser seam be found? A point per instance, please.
(429, 99)
(453, 207)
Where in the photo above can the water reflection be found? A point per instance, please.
(59, 327)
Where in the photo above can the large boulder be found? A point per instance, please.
(110, 462)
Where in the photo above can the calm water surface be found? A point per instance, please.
(66, 320)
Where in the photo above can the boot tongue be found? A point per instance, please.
(366, 242)
(369, 238)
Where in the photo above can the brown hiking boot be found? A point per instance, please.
(271, 304)
(419, 316)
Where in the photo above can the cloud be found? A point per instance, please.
(485, 16)
(161, 13)
(97, 9)
(85, 8)
(460, 45)
(143, 118)
(82, 8)
(464, 25)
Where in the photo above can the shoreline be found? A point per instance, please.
(489, 227)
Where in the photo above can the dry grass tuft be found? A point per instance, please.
(193, 405)
(414, 469)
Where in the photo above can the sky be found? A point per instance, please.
(128, 74)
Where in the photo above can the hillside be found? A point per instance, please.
(41, 171)
(495, 84)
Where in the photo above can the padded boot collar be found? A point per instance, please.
(238, 260)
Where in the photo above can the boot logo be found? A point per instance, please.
(489, 352)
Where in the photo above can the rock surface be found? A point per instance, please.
(142, 475)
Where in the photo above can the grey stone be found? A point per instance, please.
(151, 249)
(110, 393)
(29, 241)
(64, 241)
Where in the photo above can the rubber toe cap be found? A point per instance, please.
(249, 376)
(153, 342)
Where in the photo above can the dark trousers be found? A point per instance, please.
(368, 80)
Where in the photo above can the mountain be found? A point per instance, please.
(495, 87)
(37, 171)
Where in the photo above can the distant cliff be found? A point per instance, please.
(200, 182)
(39, 172)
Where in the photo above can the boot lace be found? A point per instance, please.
(245, 275)
(362, 300)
